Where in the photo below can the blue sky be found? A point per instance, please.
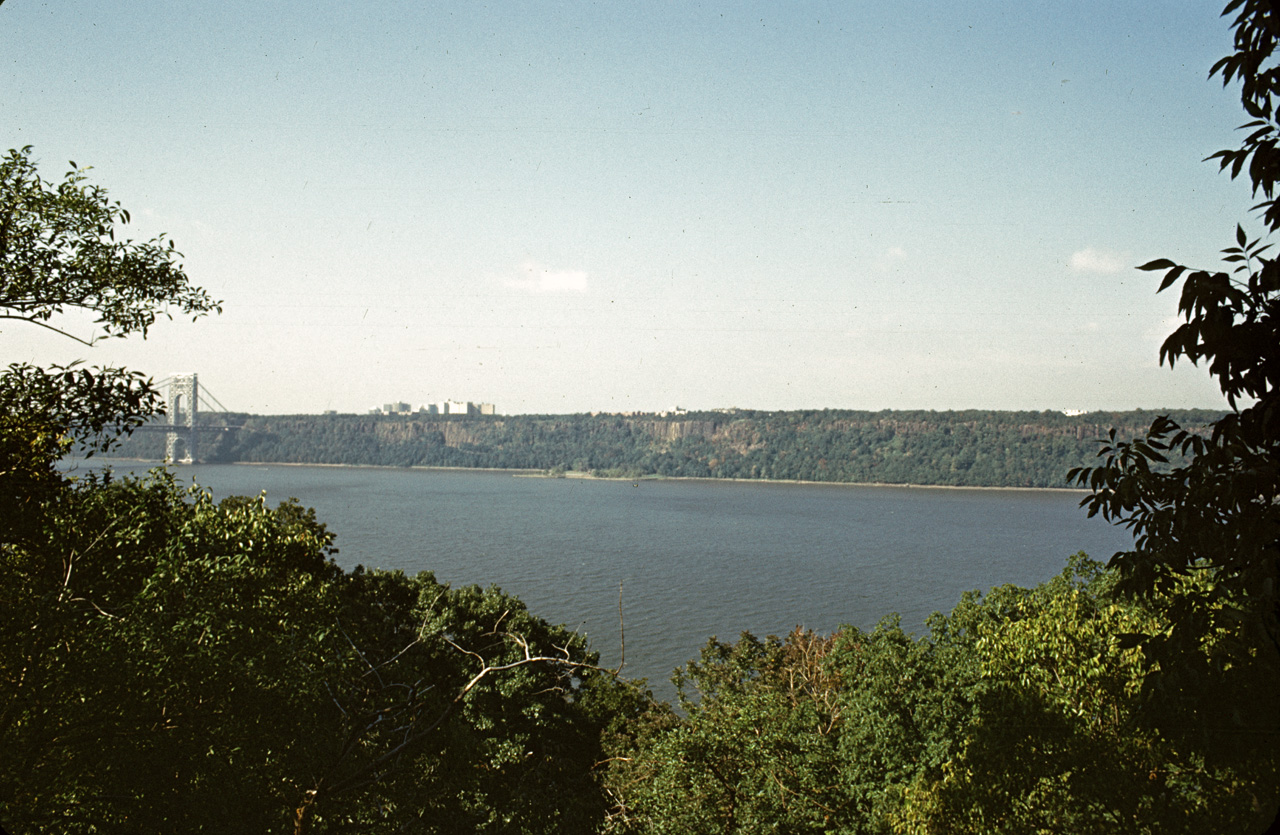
(563, 207)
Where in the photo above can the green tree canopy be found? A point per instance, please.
(1217, 515)
(1019, 712)
(59, 252)
(1207, 530)
(173, 664)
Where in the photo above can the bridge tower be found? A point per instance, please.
(184, 394)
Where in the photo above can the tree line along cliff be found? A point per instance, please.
(958, 448)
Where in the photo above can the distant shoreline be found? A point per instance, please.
(968, 450)
(580, 476)
(589, 477)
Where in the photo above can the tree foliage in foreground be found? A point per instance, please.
(169, 663)
(1212, 522)
(59, 253)
(172, 664)
(1216, 516)
(1018, 713)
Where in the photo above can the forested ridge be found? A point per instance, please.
(957, 448)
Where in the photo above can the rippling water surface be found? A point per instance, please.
(695, 558)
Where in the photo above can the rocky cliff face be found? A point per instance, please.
(674, 430)
(450, 433)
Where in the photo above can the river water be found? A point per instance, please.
(693, 558)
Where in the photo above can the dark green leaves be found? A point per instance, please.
(58, 252)
(1024, 710)
(172, 664)
(161, 652)
(1206, 552)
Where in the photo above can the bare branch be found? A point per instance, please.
(372, 669)
(622, 635)
(29, 320)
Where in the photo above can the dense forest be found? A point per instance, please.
(964, 448)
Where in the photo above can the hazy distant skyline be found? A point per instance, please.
(580, 206)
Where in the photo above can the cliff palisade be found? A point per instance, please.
(955, 448)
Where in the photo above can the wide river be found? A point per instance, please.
(693, 558)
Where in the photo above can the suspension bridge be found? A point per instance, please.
(184, 402)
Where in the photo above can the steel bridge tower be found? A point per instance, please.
(184, 394)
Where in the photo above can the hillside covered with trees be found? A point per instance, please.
(967, 448)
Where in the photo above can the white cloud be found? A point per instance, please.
(1092, 260)
(890, 258)
(535, 278)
